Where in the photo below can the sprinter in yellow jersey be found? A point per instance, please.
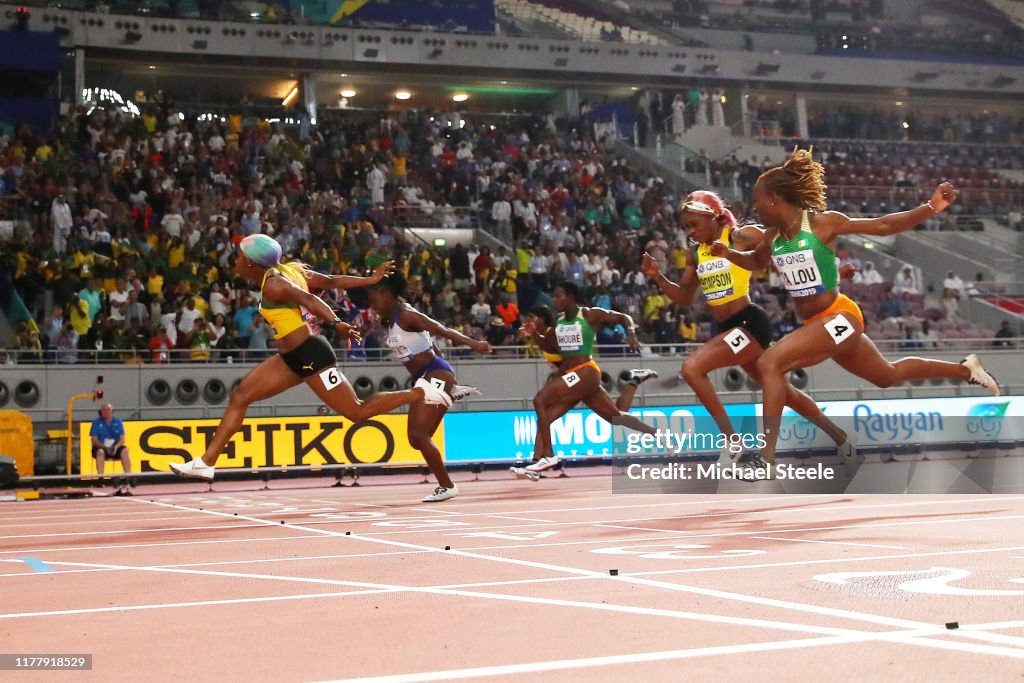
(745, 328)
(302, 355)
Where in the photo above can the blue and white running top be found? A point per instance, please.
(404, 344)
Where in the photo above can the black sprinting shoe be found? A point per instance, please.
(757, 469)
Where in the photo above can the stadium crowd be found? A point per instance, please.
(132, 226)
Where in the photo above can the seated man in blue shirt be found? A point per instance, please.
(108, 439)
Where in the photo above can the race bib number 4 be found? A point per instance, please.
(331, 378)
(839, 328)
(737, 340)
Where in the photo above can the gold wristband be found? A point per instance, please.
(929, 205)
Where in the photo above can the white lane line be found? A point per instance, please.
(258, 539)
(108, 532)
(613, 660)
(522, 519)
(643, 528)
(373, 588)
(831, 560)
(807, 540)
(390, 520)
(88, 522)
(877, 620)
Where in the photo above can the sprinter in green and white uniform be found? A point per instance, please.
(800, 242)
(572, 338)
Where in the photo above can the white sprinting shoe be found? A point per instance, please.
(432, 395)
(641, 375)
(441, 493)
(194, 469)
(543, 464)
(523, 473)
(847, 453)
(758, 469)
(979, 375)
(727, 457)
(460, 391)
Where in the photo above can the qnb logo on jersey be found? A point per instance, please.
(524, 427)
(894, 426)
(986, 419)
(713, 266)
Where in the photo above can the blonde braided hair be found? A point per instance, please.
(799, 181)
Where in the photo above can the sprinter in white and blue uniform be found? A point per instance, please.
(410, 341)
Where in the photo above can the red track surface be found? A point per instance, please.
(181, 584)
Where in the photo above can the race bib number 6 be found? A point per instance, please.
(331, 378)
(570, 379)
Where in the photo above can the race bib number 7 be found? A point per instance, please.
(331, 378)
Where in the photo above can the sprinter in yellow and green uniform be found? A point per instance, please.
(800, 242)
(540, 320)
(579, 377)
(303, 356)
(744, 328)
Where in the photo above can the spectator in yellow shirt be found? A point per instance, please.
(688, 330)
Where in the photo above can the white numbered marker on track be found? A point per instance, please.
(331, 378)
(839, 328)
(737, 340)
(570, 379)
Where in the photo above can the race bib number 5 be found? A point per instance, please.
(331, 378)
(737, 340)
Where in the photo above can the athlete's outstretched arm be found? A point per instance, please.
(412, 320)
(283, 290)
(320, 281)
(681, 293)
(833, 223)
(546, 340)
(602, 316)
(755, 258)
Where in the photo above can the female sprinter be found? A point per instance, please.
(800, 241)
(580, 377)
(746, 327)
(540, 320)
(410, 341)
(302, 355)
